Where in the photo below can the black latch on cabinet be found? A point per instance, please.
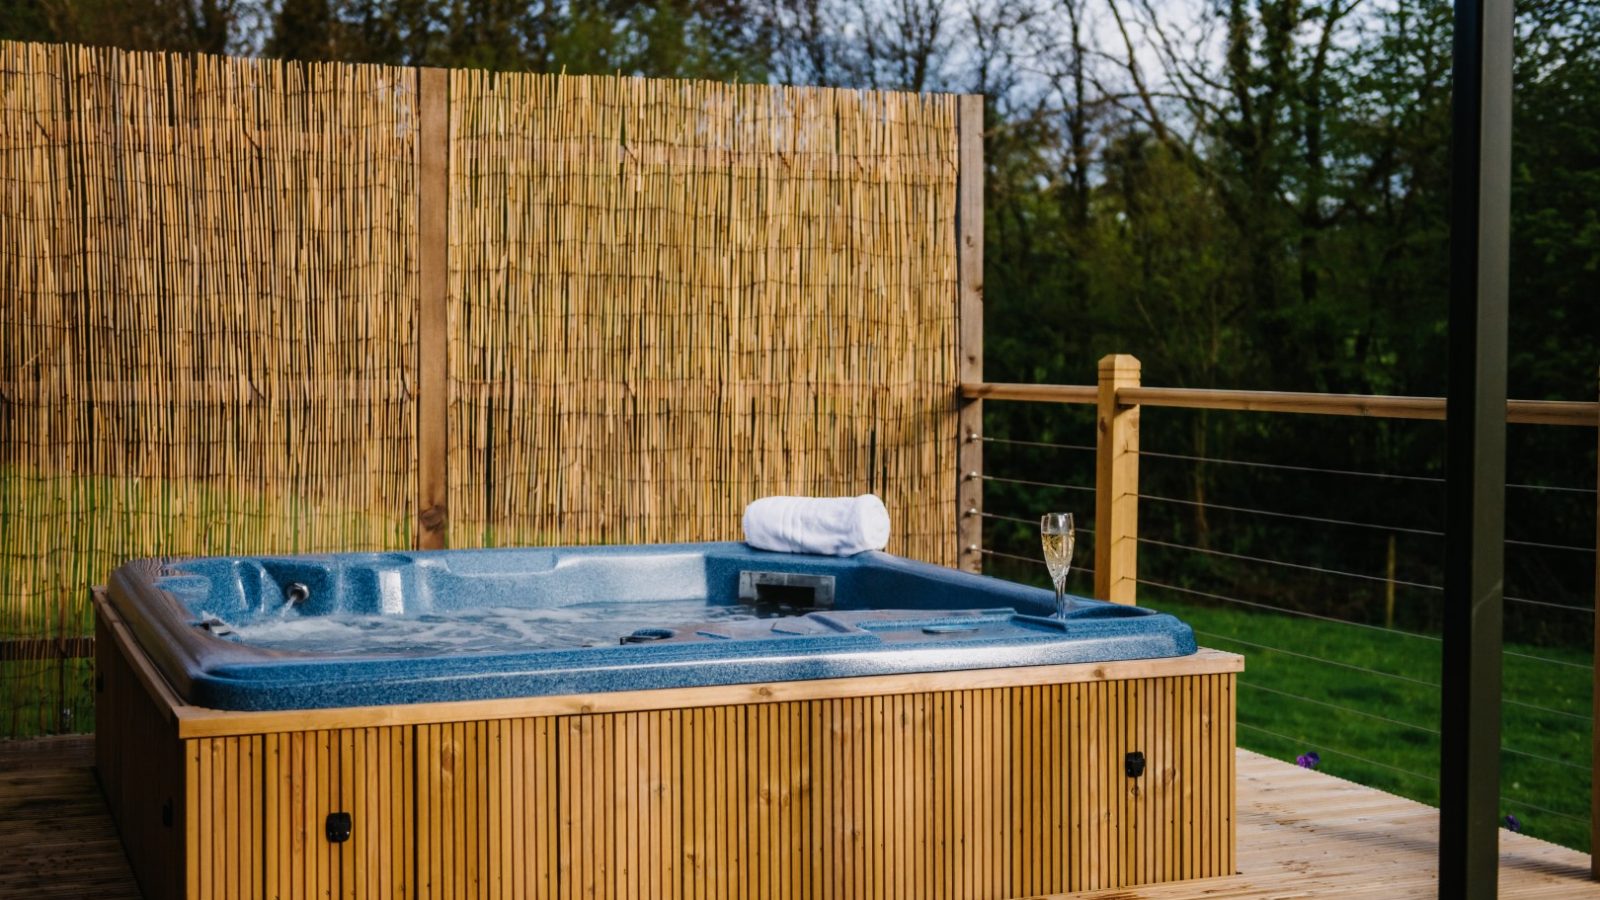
(338, 827)
(1135, 763)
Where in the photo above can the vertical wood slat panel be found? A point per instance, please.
(986, 793)
(269, 839)
(211, 835)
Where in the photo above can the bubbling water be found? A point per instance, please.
(487, 630)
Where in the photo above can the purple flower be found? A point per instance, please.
(1308, 760)
(1513, 823)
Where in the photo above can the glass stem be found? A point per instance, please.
(1061, 598)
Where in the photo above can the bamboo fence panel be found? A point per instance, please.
(207, 285)
(669, 298)
(664, 300)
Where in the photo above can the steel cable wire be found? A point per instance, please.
(1291, 612)
(1547, 659)
(1277, 562)
(1361, 575)
(1029, 559)
(1546, 603)
(1053, 446)
(1043, 484)
(1374, 526)
(1393, 476)
(1404, 724)
(1547, 709)
(1261, 687)
(1544, 809)
(1283, 515)
(1321, 748)
(1030, 522)
(1319, 659)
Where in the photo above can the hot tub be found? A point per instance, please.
(310, 632)
(649, 721)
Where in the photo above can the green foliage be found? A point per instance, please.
(1269, 211)
(676, 38)
(212, 26)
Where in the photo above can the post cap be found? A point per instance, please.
(1119, 362)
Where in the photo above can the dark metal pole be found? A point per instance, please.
(1480, 201)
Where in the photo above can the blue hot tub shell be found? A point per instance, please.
(877, 614)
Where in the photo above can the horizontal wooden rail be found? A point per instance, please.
(45, 649)
(1552, 412)
(1520, 412)
(1036, 393)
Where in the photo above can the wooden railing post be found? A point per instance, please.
(1116, 499)
(433, 314)
(969, 278)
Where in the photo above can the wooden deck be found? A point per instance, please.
(1301, 834)
(56, 838)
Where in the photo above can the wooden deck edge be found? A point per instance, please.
(57, 751)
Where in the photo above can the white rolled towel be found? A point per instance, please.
(834, 526)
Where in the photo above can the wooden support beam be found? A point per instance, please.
(1471, 683)
(433, 313)
(969, 279)
(1033, 393)
(1116, 521)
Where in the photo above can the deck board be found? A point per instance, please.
(1301, 834)
(56, 837)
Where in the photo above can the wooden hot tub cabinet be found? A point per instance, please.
(984, 784)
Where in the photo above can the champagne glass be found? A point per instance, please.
(1057, 535)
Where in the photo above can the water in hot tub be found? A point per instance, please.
(493, 629)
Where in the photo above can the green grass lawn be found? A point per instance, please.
(1382, 729)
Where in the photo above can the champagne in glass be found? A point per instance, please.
(1057, 536)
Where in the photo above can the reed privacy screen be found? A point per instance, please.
(250, 306)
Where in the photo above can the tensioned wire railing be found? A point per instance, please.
(1542, 743)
